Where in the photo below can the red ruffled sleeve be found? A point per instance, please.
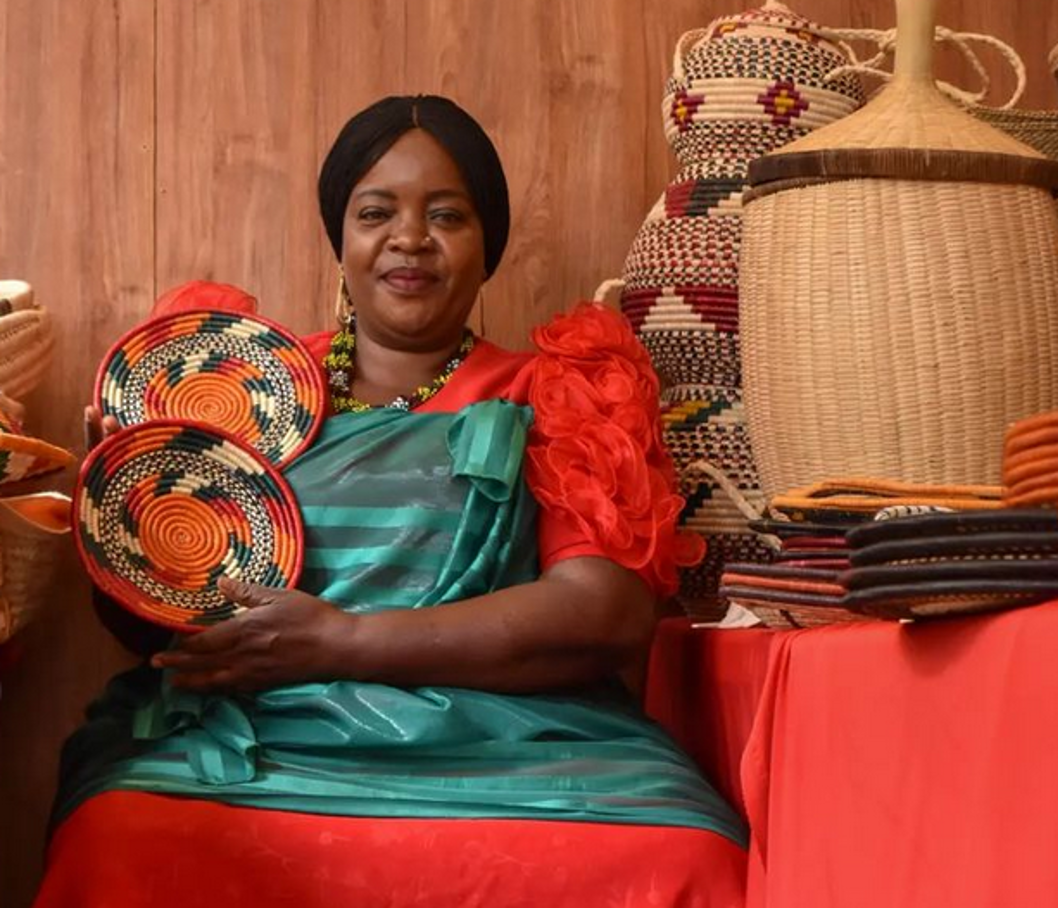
(204, 295)
(595, 457)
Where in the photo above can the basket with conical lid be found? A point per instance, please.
(899, 288)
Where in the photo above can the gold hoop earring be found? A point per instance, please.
(343, 303)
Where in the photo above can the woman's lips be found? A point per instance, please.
(409, 280)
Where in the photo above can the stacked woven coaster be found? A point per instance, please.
(800, 588)
(958, 563)
(1004, 556)
(806, 583)
(212, 405)
(1030, 462)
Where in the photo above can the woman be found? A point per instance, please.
(526, 494)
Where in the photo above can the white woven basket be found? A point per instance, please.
(25, 339)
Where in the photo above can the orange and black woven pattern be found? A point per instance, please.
(240, 373)
(164, 509)
(23, 457)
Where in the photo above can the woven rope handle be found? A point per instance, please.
(683, 44)
(886, 44)
(744, 505)
(609, 292)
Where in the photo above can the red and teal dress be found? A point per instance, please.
(350, 792)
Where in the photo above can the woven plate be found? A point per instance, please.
(240, 373)
(1007, 520)
(164, 509)
(792, 611)
(959, 547)
(785, 529)
(985, 569)
(949, 597)
(22, 457)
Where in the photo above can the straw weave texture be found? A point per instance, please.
(895, 328)
(25, 350)
(27, 553)
(1038, 128)
(748, 83)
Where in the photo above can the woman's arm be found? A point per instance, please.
(585, 618)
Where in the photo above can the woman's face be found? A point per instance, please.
(413, 250)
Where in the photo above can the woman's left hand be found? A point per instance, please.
(284, 637)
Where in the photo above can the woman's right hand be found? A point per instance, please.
(97, 427)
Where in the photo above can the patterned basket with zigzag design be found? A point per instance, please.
(745, 85)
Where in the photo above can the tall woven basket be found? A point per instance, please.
(746, 84)
(1038, 128)
(25, 339)
(32, 528)
(899, 288)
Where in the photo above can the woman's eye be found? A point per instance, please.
(447, 216)
(372, 214)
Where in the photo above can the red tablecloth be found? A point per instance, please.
(704, 689)
(887, 765)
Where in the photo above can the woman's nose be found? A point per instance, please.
(410, 234)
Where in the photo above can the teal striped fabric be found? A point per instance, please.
(402, 510)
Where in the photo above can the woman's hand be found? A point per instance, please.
(284, 637)
(97, 427)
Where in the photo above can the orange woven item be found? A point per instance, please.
(23, 457)
(166, 508)
(240, 373)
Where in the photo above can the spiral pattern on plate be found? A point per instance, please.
(242, 374)
(166, 508)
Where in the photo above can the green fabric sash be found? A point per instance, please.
(465, 525)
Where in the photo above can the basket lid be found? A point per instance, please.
(773, 14)
(909, 130)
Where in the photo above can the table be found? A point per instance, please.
(879, 764)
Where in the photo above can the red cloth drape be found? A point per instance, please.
(704, 688)
(908, 765)
(888, 764)
(133, 850)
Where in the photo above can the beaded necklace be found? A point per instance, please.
(340, 364)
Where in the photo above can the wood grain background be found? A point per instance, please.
(147, 142)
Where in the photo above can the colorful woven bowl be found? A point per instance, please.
(164, 509)
(23, 457)
(241, 373)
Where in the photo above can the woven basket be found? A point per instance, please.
(32, 527)
(792, 617)
(1038, 128)
(899, 288)
(748, 83)
(25, 339)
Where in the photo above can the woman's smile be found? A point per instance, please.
(410, 281)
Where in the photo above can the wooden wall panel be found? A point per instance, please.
(237, 91)
(76, 220)
(146, 142)
(360, 51)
